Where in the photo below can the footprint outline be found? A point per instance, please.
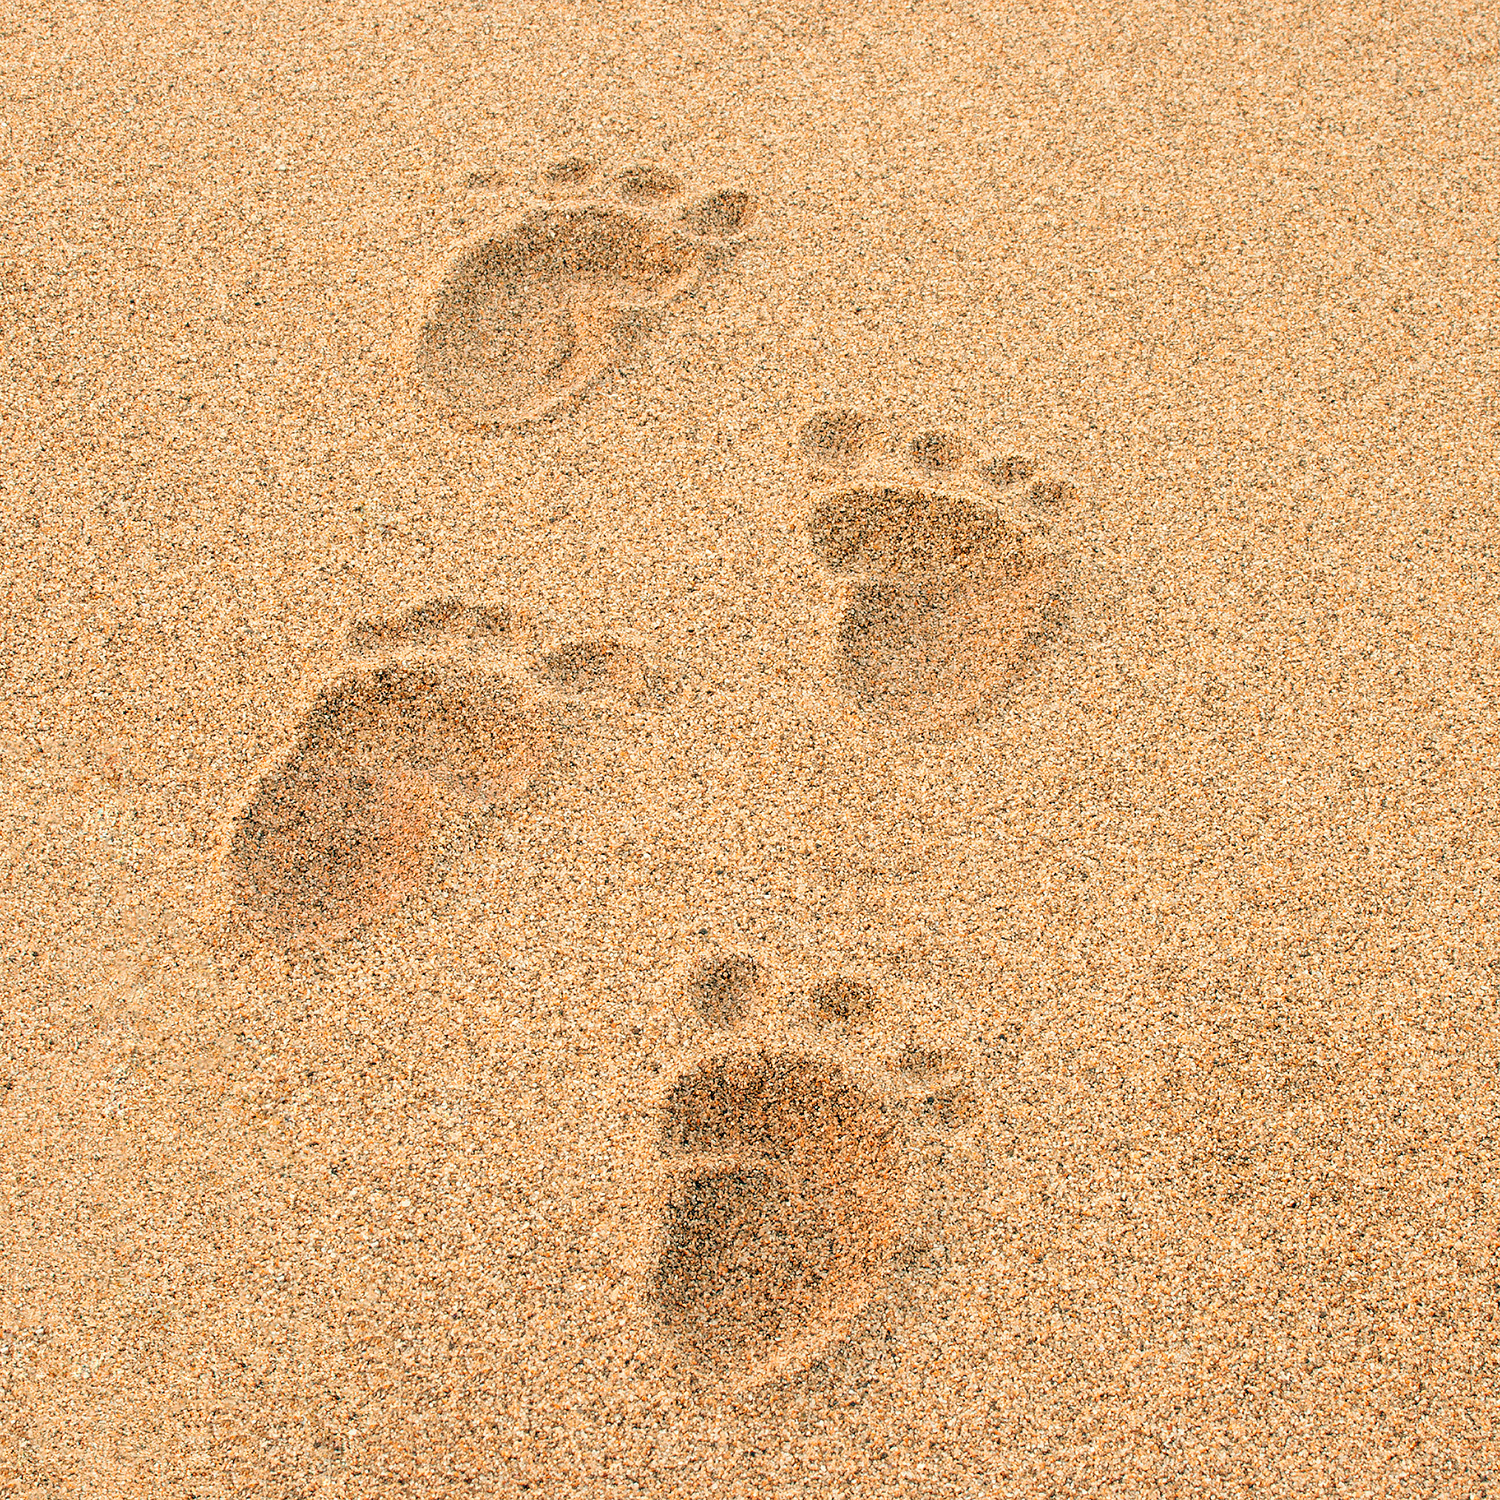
(522, 319)
(342, 820)
(822, 1070)
(948, 570)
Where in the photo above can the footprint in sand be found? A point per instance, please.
(780, 1157)
(522, 321)
(953, 582)
(445, 707)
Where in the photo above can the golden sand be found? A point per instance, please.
(751, 751)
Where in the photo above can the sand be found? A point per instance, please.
(749, 751)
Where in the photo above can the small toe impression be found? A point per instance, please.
(573, 172)
(721, 989)
(449, 619)
(723, 214)
(1008, 470)
(833, 437)
(939, 452)
(647, 186)
(842, 1000)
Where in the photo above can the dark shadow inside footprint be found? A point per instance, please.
(572, 173)
(777, 1103)
(647, 185)
(743, 1256)
(801, 1215)
(939, 451)
(949, 1104)
(947, 1109)
(1051, 494)
(571, 244)
(885, 617)
(596, 663)
(1007, 471)
(580, 665)
(918, 1062)
(342, 826)
(325, 842)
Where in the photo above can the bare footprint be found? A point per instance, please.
(953, 581)
(782, 1190)
(446, 706)
(521, 322)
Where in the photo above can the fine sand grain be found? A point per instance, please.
(750, 751)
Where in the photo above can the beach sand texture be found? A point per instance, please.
(750, 750)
